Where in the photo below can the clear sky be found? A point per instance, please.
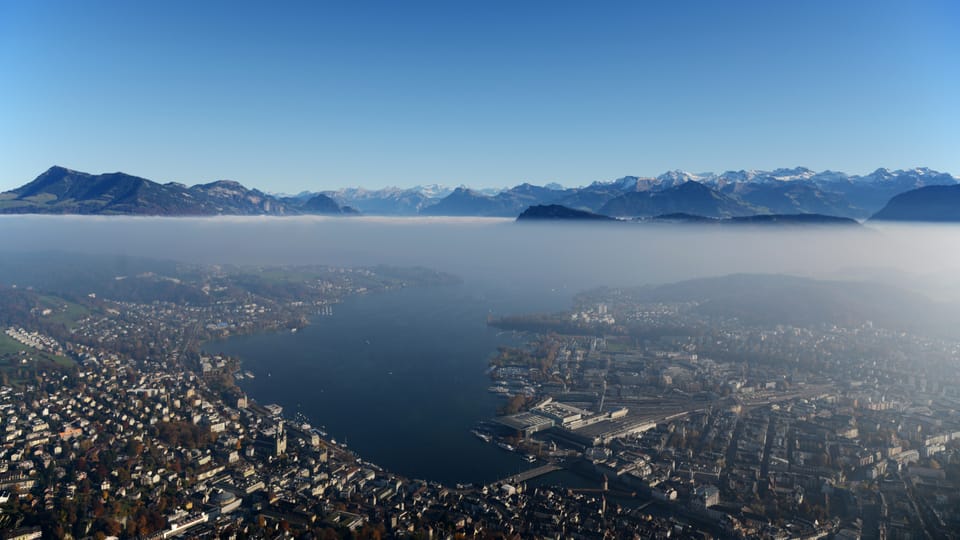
(287, 96)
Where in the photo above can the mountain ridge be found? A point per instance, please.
(689, 197)
(556, 212)
(60, 190)
(928, 203)
(796, 190)
(783, 191)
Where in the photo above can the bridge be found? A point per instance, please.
(522, 477)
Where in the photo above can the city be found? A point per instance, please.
(709, 432)
(489, 269)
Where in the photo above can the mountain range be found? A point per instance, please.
(64, 191)
(731, 194)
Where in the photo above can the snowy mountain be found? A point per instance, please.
(796, 190)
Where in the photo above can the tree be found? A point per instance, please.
(514, 405)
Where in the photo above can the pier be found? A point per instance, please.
(522, 477)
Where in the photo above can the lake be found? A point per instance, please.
(400, 376)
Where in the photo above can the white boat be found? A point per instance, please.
(483, 436)
(505, 446)
(530, 458)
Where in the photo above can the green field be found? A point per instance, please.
(8, 345)
(12, 371)
(9, 349)
(67, 313)
(618, 347)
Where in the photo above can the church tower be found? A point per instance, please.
(281, 440)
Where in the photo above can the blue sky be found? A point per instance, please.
(287, 96)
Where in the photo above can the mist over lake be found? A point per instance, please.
(497, 251)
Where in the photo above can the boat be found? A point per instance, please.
(483, 436)
(505, 446)
(499, 389)
(530, 458)
(248, 375)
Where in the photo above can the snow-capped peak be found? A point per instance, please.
(676, 177)
(796, 173)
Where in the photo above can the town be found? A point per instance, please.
(116, 423)
(722, 423)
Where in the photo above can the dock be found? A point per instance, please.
(522, 477)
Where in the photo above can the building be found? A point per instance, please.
(526, 423)
(280, 440)
(707, 495)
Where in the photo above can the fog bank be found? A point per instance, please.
(549, 255)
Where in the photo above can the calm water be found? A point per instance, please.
(401, 376)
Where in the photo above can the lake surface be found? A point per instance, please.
(400, 376)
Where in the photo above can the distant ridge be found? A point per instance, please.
(792, 219)
(64, 191)
(690, 197)
(784, 191)
(930, 203)
(552, 212)
(757, 220)
(732, 194)
(556, 212)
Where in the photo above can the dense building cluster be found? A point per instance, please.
(724, 430)
(724, 422)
